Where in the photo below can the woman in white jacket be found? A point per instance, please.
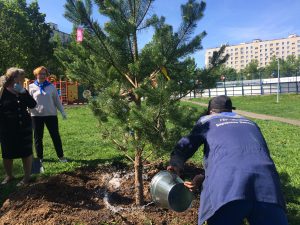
(45, 112)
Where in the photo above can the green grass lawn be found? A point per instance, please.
(288, 106)
(83, 145)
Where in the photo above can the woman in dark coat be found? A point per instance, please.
(15, 123)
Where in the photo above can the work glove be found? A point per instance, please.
(196, 183)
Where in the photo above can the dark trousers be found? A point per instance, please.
(38, 129)
(257, 213)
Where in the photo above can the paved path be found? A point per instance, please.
(255, 115)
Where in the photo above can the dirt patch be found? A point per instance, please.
(101, 195)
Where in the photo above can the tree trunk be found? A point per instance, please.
(138, 176)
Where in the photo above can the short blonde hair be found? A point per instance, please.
(36, 71)
(11, 74)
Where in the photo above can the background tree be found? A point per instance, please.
(137, 90)
(271, 68)
(229, 73)
(289, 66)
(251, 71)
(24, 36)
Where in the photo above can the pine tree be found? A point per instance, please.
(137, 91)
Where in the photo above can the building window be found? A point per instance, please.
(277, 44)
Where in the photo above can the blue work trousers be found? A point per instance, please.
(257, 213)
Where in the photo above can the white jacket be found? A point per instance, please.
(47, 102)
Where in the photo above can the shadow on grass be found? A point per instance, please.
(118, 162)
(291, 194)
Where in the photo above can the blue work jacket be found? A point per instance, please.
(237, 162)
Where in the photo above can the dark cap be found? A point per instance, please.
(221, 103)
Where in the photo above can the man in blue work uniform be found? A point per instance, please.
(241, 180)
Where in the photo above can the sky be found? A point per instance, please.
(225, 21)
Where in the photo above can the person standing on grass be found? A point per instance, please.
(241, 181)
(45, 113)
(15, 123)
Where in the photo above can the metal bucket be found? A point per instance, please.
(168, 191)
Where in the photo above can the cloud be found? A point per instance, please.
(264, 32)
(266, 23)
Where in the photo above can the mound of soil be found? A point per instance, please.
(98, 195)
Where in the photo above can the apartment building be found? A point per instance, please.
(64, 37)
(262, 51)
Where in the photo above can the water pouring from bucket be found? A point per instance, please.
(168, 191)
